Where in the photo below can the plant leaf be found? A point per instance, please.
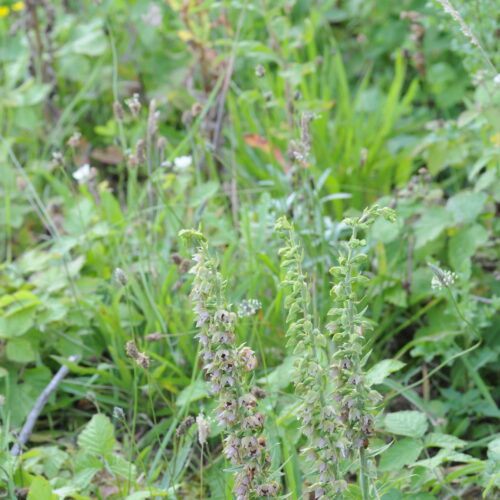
(98, 436)
(406, 423)
(379, 372)
(401, 453)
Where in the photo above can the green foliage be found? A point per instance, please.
(125, 122)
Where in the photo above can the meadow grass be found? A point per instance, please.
(124, 124)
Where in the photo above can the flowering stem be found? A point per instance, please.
(363, 463)
(363, 475)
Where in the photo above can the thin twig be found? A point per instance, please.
(41, 401)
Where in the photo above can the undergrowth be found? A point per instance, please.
(312, 348)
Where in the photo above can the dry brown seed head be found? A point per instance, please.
(185, 425)
(155, 337)
(143, 360)
(258, 392)
(176, 258)
(140, 151)
(185, 266)
(131, 349)
(196, 109)
(74, 140)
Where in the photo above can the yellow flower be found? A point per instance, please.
(18, 6)
(4, 11)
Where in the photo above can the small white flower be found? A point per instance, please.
(183, 162)
(248, 307)
(497, 79)
(442, 278)
(82, 175)
(118, 413)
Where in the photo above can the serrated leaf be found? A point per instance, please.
(377, 373)
(466, 206)
(98, 436)
(445, 455)
(406, 423)
(83, 478)
(197, 390)
(444, 441)
(431, 225)
(121, 467)
(401, 453)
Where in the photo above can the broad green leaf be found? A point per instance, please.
(281, 376)
(40, 489)
(87, 39)
(494, 450)
(406, 423)
(377, 373)
(28, 94)
(436, 439)
(20, 300)
(203, 192)
(90, 44)
(401, 453)
(121, 467)
(17, 324)
(445, 455)
(83, 478)
(466, 206)
(197, 390)
(386, 231)
(79, 217)
(98, 436)
(437, 156)
(392, 495)
(20, 350)
(53, 460)
(86, 466)
(431, 224)
(464, 243)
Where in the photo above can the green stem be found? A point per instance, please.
(363, 475)
(474, 375)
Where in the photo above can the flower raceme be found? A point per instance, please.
(228, 368)
(336, 418)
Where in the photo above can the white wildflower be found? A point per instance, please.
(118, 413)
(82, 175)
(182, 163)
(442, 278)
(248, 307)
